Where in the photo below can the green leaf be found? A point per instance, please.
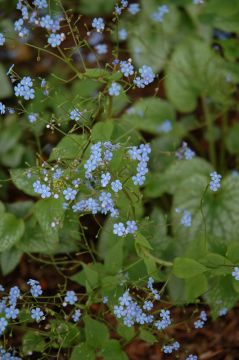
(98, 7)
(48, 212)
(147, 336)
(89, 274)
(171, 180)
(216, 213)
(233, 252)
(125, 332)
(33, 342)
(64, 333)
(10, 259)
(195, 287)
(193, 71)
(83, 351)
(70, 147)
(6, 87)
(217, 264)
(97, 334)
(9, 137)
(112, 350)
(114, 257)
(11, 231)
(185, 268)
(232, 142)
(22, 181)
(148, 114)
(149, 41)
(102, 131)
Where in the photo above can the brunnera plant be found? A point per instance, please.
(124, 190)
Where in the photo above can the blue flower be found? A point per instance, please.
(147, 74)
(105, 179)
(3, 325)
(55, 39)
(148, 305)
(198, 324)
(101, 49)
(119, 229)
(235, 273)
(14, 294)
(70, 298)
(40, 4)
(75, 114)
(24, 88)
(69, 193)
(116, 185)
(215, 181)
(32, 117)
(123, 34)
(131, 227)
(126, 68)
(134, 8)
(2, 108)
(185, 152)
(35, 289)
(165, 127)
(37, 314)
(114, 89)
(76, 316)
(160, 13)
(2, 39)
(98, 24)
(191, 357)
(11, 312)
(186, 219)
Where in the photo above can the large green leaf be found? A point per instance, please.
(83, 351)
(185, 268)
(33, 342)
(22, 181)
(112, 350)
(70, 147)
(11, 230)
(175, 174)
(96, 333)
(49, 213)
(5, 88)
(216, 215)
(10, 259)
(148, 114)
(193, 71)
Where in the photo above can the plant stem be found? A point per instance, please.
(209, 122)
(157, 260)
(223, 147)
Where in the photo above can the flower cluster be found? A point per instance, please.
(186, 219)
(169, 349)
(215, 182)
(151, 288)
(141, 154)
(35, 289)
(160, 13)
(185, 152)
(25, 88)
(121, 230)
(198, 324)
(6, 355)
(146, 77)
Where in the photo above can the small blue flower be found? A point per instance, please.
(215, 181)
(11, 312)
(3, 325)
(191, 357)
(2, 108)
(126, 68)
(198, 324)
(105, 300)
(40, 4)
(55, 39)
(75, 114)
(235, 273)
(134, 8)
(32, 117)
(69, 193)
(14, 294)
(123, 34)
(131, 227)
(98, 24)
(147, 74)
(35, 289)
(76, 316)
(160, 13)
(101, 49)
(148, 305)
(165, 127)
(105, 179)
(70, 297)
(186, 219)
(37, 314)
(114, 89)
(2, 39)
(116, 185)
(119, 229)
